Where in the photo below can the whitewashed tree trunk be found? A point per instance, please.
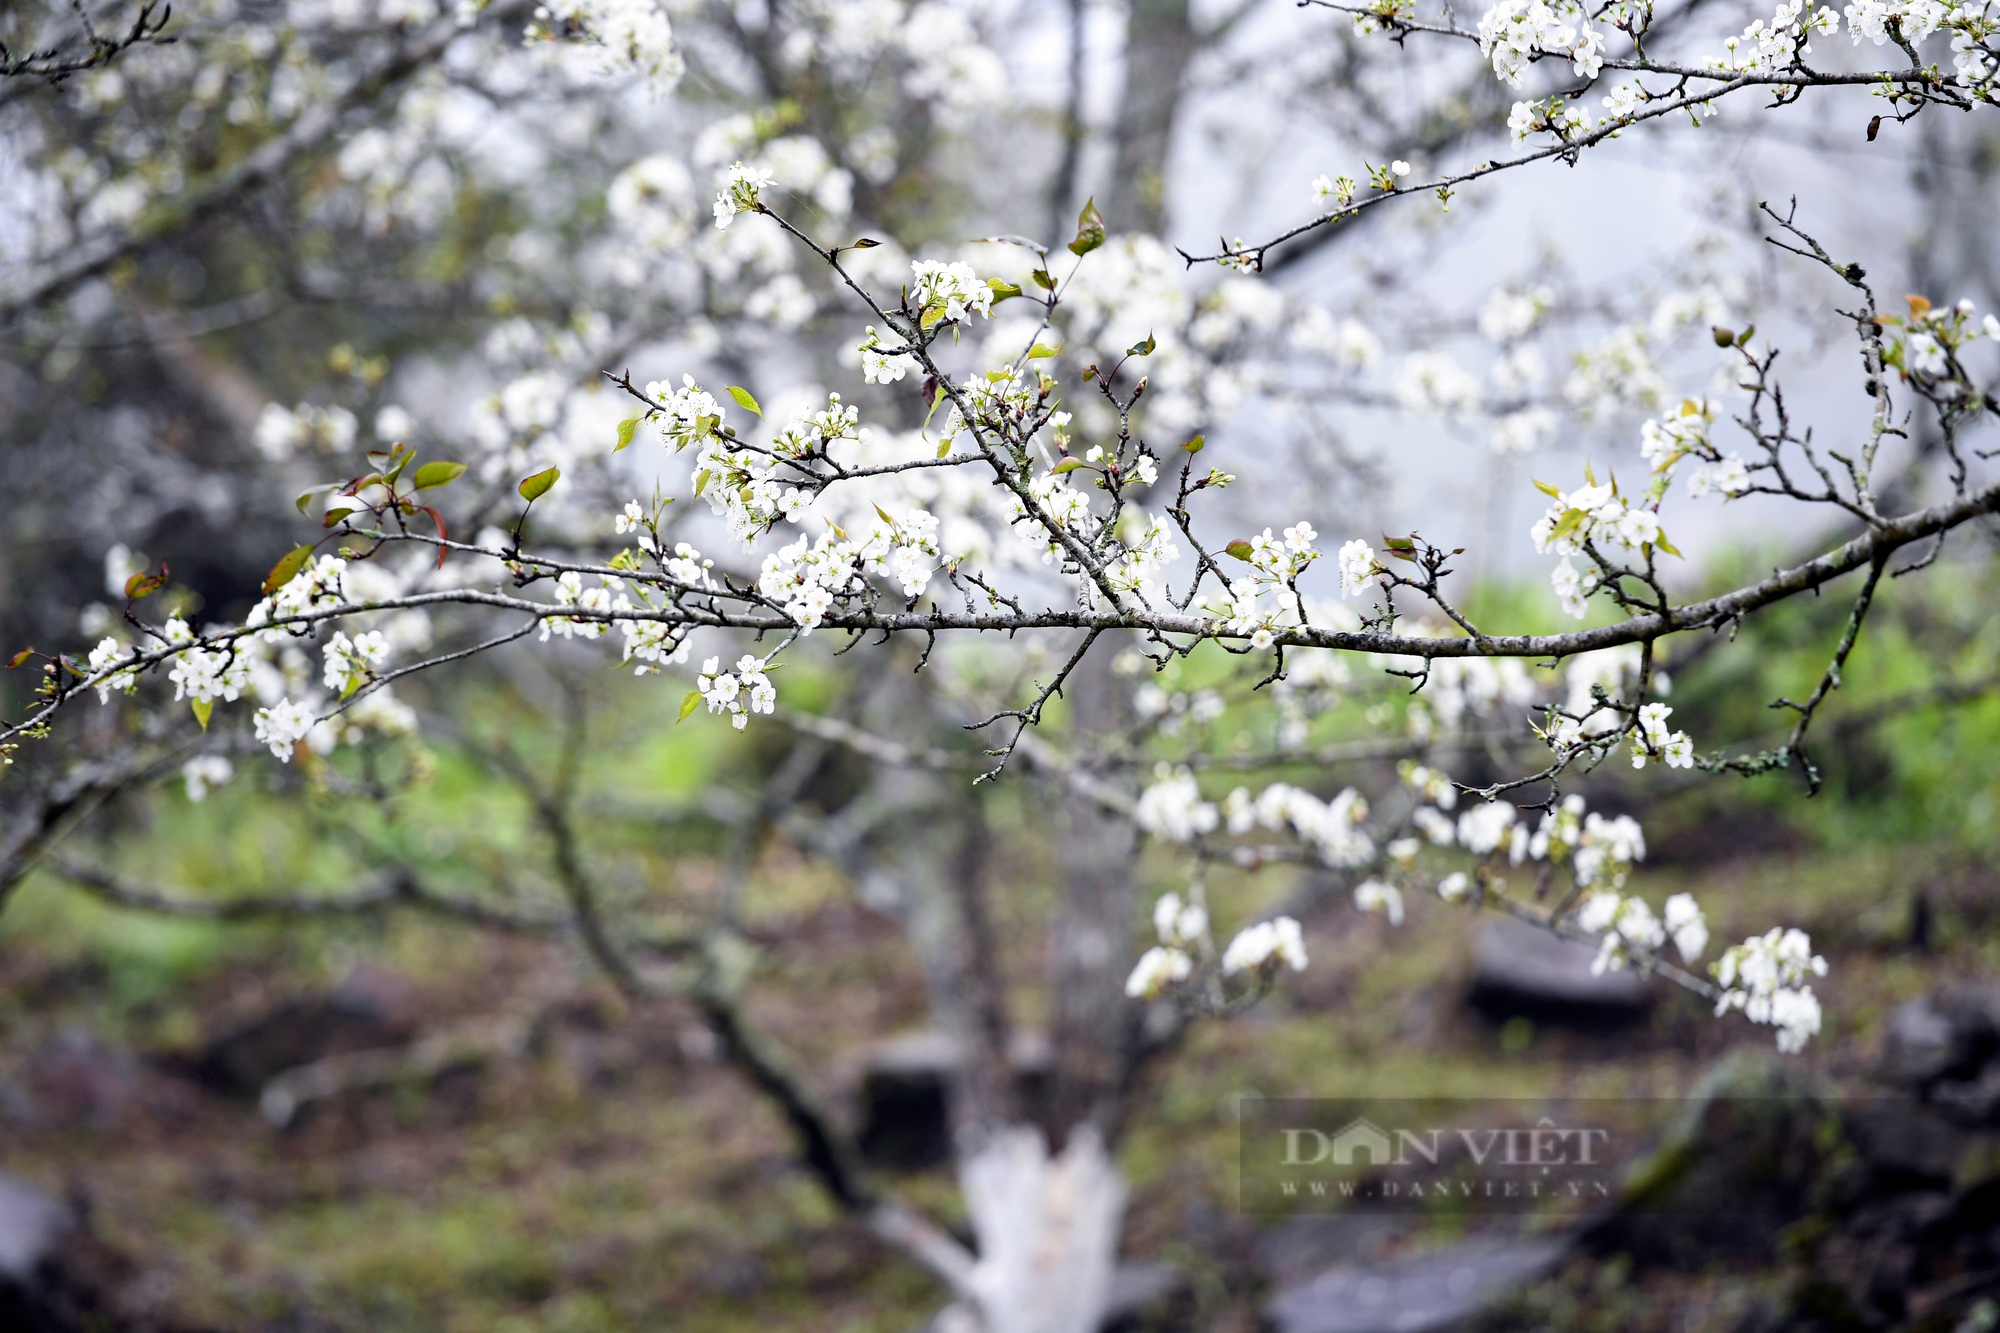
(1047, 1227)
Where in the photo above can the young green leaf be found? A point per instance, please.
(287, 568)
(1002, 290)
(744, 400)
(1238, 548)
(1043, 280)
(626, 429)
(1067, 465)
(1144, 347)
(689, 702)
(438, 473)
(1089, 229)
(1041, 350)
(1194, 446)
(535, 487)
(1548, 490)
(203, 710)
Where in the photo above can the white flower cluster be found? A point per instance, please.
(1486, 827)
(744, 491)
(884, 365)
(1631, 933)
(941, 292)
(1683, 433)
(1331, 828)
(205, 675)
(1358, 568)
(108, 653)
(1172, 807)
(741, 186)
(1372, 895)
(569, 591)
(814, 434)
(352, 663)
(1182, 927)
(689, 415)
(1766, 978)
(740, 692)
(1933, 337)
(652, 642)
(1911, 20)
(1263, 946)
(1513, 32)
(1550, 115)
(1599, 850)
(1147, 548)
(204, 773)
(1778, 45)
(284, 724)
(1593, 513)
(1652, 738)
(806, 577)
(281, 432)
(630, 36)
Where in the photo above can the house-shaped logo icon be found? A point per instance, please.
(1363, 1142)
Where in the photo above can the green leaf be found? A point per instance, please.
(689, 702)
(1042, 350)
(439, 473)
(701, 482)
(535, 487)
(1002, 290)
(944, 448)
(20, 657)
(1144, 347)
(931, 317)
(287, 568)
(1043, 280)
(203, 710)
(1089, 229)
(744, 400)
(885, 516)
(1067, 465)
(1666, 546)
(1194, 446)
(626, 430)
(1548, 490)
(1399, 543)
(865, 243)
(1568, 523)
(1238, 548)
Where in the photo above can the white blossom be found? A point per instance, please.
(1276, 941)
(1157, 968)
(1766, 977)
(284, 725)
(1172, 807)
(205, 772)
(1372, 895)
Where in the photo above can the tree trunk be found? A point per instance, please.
(1047, 1227)
(1092, 1028)
(1159, 42)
